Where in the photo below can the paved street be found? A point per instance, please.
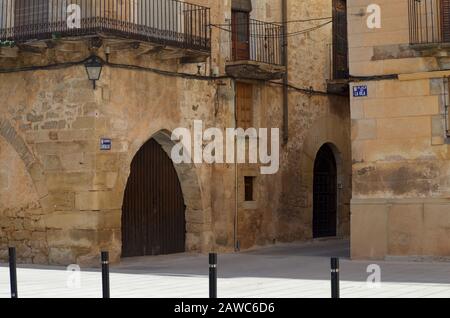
(293, 270)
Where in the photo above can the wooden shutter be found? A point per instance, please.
(244, 105)
(28, 12)
(445, 18)
(340, 39)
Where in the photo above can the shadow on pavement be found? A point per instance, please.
(303, 261)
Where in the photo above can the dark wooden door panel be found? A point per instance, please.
(325, 194)
(153, 221)
(240, 26)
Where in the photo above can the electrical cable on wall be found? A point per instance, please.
(281, 35)
(308, 91)
(282, 23)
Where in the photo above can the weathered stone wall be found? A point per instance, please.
(401, 170)
(21, 217)
(399, 143)
(79, 189)
(85, 186)
(283, 210)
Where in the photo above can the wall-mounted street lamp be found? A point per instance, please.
(93, 69)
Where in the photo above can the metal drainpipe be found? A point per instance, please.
(236, 179)
(286, 75)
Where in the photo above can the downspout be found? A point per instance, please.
(236, 179)
(286, 74)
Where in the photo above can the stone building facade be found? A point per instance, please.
(400, 130)
(62, 197)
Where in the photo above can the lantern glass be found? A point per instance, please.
(93, 69)
(94, 72)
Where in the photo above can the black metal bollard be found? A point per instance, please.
(105, 274)
(212, 275)
(335, 291)
(13, 272)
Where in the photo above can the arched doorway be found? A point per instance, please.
(153, 212)
(325, 194)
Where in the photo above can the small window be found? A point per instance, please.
(249, 189)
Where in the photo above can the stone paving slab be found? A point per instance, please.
(291, 271)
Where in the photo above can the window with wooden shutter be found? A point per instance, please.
(445, 20)
(28, 12)
(244, 105)
(340, 40)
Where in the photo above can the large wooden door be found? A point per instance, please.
(325, 194)
(445, 18)
(153, 212)
(240, 26)
(340, 40)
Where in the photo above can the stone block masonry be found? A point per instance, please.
(401, 162)
(61, 196)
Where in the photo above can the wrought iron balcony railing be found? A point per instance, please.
(258, 41)
(429, 21)
(164, 22)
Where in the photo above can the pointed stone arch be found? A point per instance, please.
(198, 215)
(24, 226)
(33, 166)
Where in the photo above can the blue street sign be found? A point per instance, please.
(105, 144)
(360, 91)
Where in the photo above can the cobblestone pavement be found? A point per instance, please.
(293, 270)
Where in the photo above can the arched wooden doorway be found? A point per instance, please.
(325, 194)
(153, 212)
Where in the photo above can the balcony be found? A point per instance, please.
(429, 23)
(256, 49)
(161, 23)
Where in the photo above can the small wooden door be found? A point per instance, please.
(244, 105)
(325, 194)
(445, 18)
(240, 30)
(340, 40)
(153, 212)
